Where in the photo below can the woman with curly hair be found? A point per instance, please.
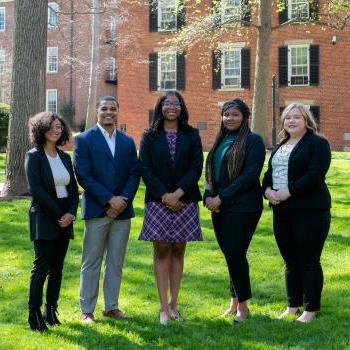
(233, 195)
(51, 214)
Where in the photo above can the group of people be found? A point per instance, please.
(170, 163)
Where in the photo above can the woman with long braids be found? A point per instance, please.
(172, 159)
(233, 195)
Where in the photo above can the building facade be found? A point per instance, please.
(311, 62)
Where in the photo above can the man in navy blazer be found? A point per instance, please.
(107, 169)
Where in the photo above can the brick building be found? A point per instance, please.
(68, 56)
(312, 65)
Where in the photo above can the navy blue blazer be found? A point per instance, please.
(103, 176)
(45, 211)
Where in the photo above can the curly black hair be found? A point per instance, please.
(41, 124)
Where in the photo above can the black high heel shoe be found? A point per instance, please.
(50, 315)
(36, 321)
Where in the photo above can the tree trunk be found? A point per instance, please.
(94, 57)
(262, 69)
(28, 87)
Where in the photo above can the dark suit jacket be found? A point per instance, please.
(44, 210)
(161, 175)
(103, 176)
(307, 167)
(243, 194)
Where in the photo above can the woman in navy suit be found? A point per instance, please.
(295, 186)
(52, 211)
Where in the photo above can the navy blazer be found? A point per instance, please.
(103, 176)
(161, 175)
(308, 164)
(243, 194)
(44, 211)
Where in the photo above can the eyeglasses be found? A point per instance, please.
(56, 127)
(171, 104)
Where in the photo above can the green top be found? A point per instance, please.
(220, 152)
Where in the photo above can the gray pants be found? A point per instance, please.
(102, 237)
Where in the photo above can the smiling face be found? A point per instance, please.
(107, 114)
(232, 119)
(294, 123)
(55, 132)
(171, 108)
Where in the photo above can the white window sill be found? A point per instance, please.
(231, 89)
(51, 73)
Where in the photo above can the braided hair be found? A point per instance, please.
(235, 155)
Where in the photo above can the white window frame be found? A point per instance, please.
(3, 10)
(48, 91)
(113, 28)
(112, 69)
(291, 15)
(161, 11)
(161, 56)
(2, 62)
(56, 7)
(223, 72)
(290, 47)
(49, 58)
(225, 6)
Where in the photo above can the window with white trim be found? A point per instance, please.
(113, 28)
(112, 69)
(167, 71)
(230, 9)
(298, 68)
(2, 19)
(298, 9)
(51, 100)
(2, 62)
(53, 9)
(52, 60)
(167, 15)
(231, 68)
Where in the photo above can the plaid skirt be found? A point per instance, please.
(165, 225)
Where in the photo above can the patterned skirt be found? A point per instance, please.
(165, 225)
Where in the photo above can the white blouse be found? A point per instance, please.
(280, 167)
(60, 174)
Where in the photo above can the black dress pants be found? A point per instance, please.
(48, 262)
(234, 232)
(300, 236)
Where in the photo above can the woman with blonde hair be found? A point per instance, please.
(295, 186)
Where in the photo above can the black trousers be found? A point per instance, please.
(234, 231)
(300, 236)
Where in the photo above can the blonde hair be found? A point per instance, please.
(310, 123)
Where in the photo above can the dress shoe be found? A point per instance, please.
(87, 317)
(50, 315)
(164, 317)
(241, 317)
(116, 314)
(306, 317)
(36, 321)
(175, 315)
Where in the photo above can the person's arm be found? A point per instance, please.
(267, 179)
(84, 173)
(74, 196)
(39, 193)
(317, 168)
(253, 163)
(154, 184)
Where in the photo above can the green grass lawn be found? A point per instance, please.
(2, 167)
(204, 294)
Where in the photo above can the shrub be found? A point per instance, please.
(4, 124)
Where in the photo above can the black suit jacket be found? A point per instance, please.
(308, 164)
(161, 175)
(45, 211)
(243, 194)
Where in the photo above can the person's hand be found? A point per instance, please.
(118, 203)
(112, 213)
(270, 194)
(66, 220)
(172, 202)
(213, 203)
(283, 194)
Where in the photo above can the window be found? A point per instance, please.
(298, 9)
(2, 19)
(230, 9)
(167, 71)
(52, 60)
(51, 101)
(113, 28)
(231, 68)
(53, 14)
(167, 16)
(298, 70)
(2, 62)
(112, 71)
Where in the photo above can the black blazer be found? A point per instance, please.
(44, 211)
(308, 164)
(243, 194)
(161, 175)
